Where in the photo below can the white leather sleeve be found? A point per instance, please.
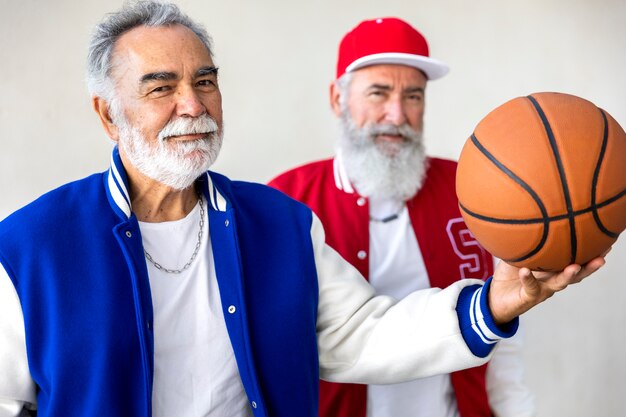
(506, 389)
(17, 388)
(371, 339)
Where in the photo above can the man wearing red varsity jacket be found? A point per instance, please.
(392, 212)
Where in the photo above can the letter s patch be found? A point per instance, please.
(477, 259)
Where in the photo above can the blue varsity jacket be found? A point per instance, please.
(76, 259)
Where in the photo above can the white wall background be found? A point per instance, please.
(276, 60)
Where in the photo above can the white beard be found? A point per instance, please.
(382, 170)
(172, 163)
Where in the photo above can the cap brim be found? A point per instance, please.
(431, 67)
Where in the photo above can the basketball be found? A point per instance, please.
(541, 182)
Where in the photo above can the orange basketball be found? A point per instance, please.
(542, 181)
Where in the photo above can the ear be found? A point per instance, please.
(101, 107)
(335, 97)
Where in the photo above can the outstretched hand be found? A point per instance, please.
(514, 290)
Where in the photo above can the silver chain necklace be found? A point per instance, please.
(193, 255)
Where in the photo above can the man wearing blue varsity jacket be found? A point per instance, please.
(157, 288)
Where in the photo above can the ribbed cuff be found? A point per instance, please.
(479, 330)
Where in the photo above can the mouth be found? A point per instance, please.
(389, 138)
(189, 137)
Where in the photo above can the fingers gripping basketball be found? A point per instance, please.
(542, 181)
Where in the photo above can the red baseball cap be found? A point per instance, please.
(387, 40)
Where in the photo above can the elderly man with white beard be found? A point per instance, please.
(392, 212)
(157, 288)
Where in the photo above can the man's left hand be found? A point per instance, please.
(515, 290)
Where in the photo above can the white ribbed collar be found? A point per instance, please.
(341, 176)
(117, 188)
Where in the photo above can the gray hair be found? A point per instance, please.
(132, 14)
(343, 83)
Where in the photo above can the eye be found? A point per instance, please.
(377, 95)
(206, 83)
(160, 89)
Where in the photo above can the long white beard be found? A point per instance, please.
(382, 170)
(172, 163)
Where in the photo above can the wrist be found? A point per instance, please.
(478, 327)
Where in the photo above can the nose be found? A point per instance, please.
(189, 104)
(395, 112)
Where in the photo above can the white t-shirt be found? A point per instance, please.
(397, 269)
(195, 373)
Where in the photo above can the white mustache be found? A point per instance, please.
(203, 124)
(386, 129)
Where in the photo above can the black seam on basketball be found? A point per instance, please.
(596, 175)
(529, 190)
(564, 185)
(611, 199)
(549, 219)
(539, 220)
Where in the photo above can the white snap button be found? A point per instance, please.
(253, 404)
(232, 309)
(226, 223)
(129, 234)
(362, 254)
(360, 201)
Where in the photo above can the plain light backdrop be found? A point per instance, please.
(276, 61)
